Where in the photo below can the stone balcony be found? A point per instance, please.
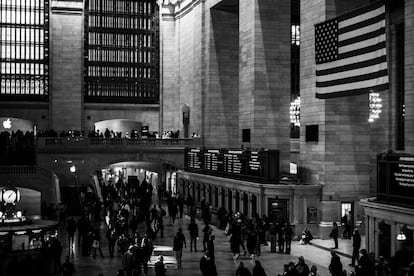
(86, 144)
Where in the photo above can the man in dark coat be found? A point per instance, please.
(334, 234)
(207, 267)
(356, 245)
(335, 267)
(242, 270)
(179, 243)
(210, 248)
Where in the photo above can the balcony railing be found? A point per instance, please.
(76, 142)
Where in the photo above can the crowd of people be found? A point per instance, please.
(17, 148)
(133, 223)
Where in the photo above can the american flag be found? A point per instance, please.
(351, 53)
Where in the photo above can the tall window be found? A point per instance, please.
(121, 51)
(24, 49)
(295, 58)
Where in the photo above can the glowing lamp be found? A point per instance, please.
(401, 236)
(72, 169)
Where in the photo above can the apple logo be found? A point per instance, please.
(7, 124)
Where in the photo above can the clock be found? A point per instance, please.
(10, 196)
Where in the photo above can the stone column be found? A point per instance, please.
(66, 45)
(409, 76)
(249, 205)
(264, 62)
(340, 159)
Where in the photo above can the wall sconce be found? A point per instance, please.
(401, 236)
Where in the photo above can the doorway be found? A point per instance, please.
(278, 209)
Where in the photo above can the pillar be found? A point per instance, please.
(264, 41)
(409, 75)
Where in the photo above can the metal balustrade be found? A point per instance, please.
(49, 142)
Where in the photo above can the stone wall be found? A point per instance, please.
(221, 104)
(264, 73)
(66, 36)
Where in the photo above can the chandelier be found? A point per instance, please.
(375, 106)
(295, 112)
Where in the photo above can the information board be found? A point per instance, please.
(194, 159)
(213, 160)
(234, 161)
(396, 178)
(252, 165)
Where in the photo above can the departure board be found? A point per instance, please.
(395, 178)
(194, 159)
(234, 161)
(213, 160)
(252, 165)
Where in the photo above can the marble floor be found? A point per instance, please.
(272, 262)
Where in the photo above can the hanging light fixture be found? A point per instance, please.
(295, 112)
(375, 106)
(401, 236)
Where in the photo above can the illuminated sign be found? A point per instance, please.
(7, 124)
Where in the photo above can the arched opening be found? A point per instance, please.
(119, 128)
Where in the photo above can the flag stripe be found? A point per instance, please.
(355, 85)
(370, 21)
(352, 79)
(362, 50)
(359, 45)
(353, 59)
(361, 31)
(352, 66)
(353, 92)
(351, 73)
(363, 37)
(369, 9)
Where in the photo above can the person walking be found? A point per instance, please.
(159, 267)
(207, 267)
(206, 235)
(96, 244)
(111, 237)
(147, 247)
(71, 229)
(288, 237)
(356, 245)
(210, 248)
(242, 270)
(67, 267)
(258, 269)
(56, 249)
(179, 243)
(128, 261)
(193, 229)
(334, 234)
(314, 271)
(365, 266)
(335, 267)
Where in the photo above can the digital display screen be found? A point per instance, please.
(241, 164)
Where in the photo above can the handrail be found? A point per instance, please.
(24, 170)
(93, 141)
